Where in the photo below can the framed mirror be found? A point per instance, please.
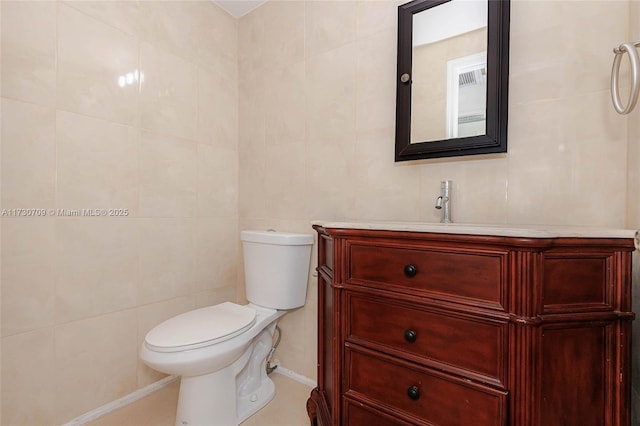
(453, 78)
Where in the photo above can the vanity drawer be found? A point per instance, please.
(467, 345)
(361, 415)
(459, 275)
(420, 394)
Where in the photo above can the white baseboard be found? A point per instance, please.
(153, 387)
(295, 376)
(120, 402)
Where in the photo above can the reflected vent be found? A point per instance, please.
(471, 78)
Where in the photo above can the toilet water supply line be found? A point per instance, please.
(634, 60)
(273, 351)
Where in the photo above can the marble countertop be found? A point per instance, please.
(503, 230)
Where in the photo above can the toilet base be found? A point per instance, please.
(193, 411)
(250, 404)
(203, 402)
(207, 400)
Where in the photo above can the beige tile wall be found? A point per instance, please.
(79, 293)
(567, 159)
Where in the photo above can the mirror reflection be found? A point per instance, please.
(449, 71)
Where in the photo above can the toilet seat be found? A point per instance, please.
(201, 327)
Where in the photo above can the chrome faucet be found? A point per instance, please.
(443, 202)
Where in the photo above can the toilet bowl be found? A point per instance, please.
(220, 351)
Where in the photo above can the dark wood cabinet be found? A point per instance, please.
(426, 328)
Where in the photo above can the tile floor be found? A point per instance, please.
(288, 408)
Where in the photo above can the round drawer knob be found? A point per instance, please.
(410, 271)
(414, 393)
(410, 336)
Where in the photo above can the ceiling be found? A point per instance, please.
(238, 8)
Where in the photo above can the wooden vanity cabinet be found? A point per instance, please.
(458, 330)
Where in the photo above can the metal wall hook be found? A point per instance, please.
(634, 59)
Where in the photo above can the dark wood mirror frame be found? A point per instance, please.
(495, 139)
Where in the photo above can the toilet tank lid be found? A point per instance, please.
(277, 238)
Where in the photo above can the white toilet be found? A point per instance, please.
(220, 351)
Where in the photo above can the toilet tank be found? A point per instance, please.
(276, 268)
